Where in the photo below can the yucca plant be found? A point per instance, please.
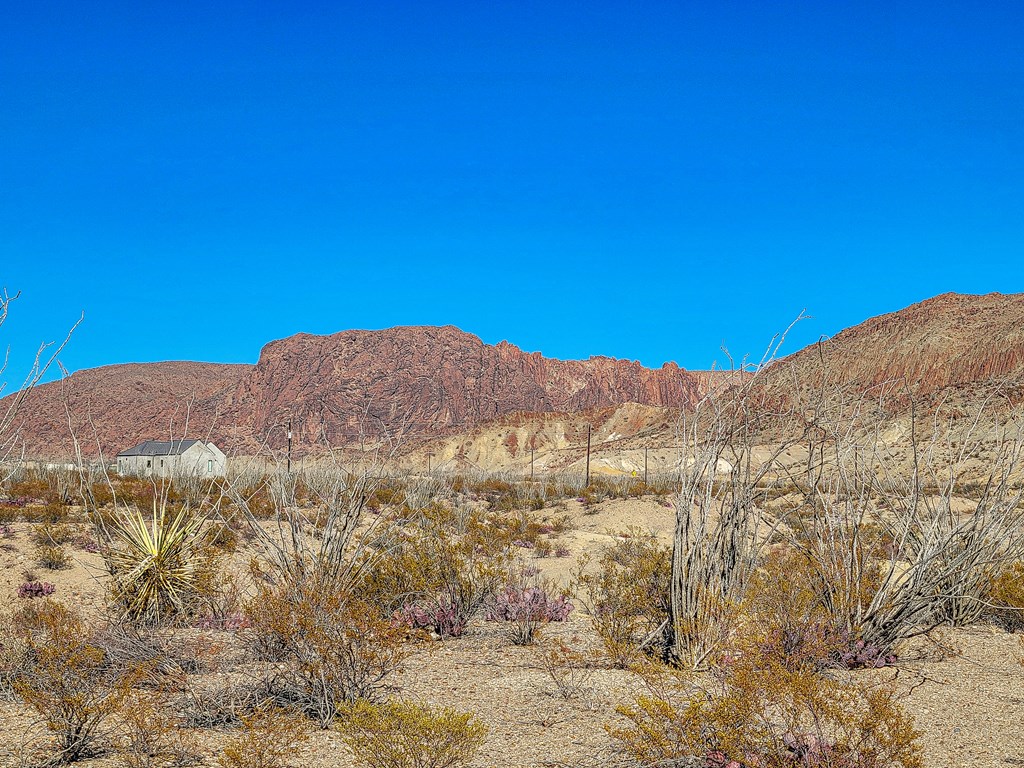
(156, 563)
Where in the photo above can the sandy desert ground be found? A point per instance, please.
(964, 687)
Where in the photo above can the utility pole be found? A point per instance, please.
(289, 446)
(645, 465)
(587, 484)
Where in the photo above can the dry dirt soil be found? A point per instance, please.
(965, 687)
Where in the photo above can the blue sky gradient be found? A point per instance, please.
(641, 180)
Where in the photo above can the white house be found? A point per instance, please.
(172, 458)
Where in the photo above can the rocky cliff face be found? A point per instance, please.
(405, 382)
(419, 381)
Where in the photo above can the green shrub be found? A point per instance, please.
(628, 594)
(410, 735)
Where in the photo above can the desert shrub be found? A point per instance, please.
(267, 737)
(53, 557)
(627, 594)
(7, 531)
(222, 537)
(525, 607)
(389, 493)
(220, 595)
(570, 670)
(150, 733)
(155, 563)
(71, 681)
(410, 735)
(760, 709)
(15, 657)
(330, 647)
(34, 589)
(31, 485)
(786, 609)
(437, 579)
(1005, 597)
(52, 534)
(51, 513)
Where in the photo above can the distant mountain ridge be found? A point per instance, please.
(425, 381)
(413, 381)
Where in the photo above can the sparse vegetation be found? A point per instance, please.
(410, 735)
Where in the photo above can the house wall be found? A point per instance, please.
(202, 459)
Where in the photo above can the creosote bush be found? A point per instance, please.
(53, 557)
(331, 648)
(266, 738)
(71, 681)
(570, 670)
(762, 709)
(439, 578)
(404, 734)
(150, 733)
(1004, 597)
(627, 594)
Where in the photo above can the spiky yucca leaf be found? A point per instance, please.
(154, 564)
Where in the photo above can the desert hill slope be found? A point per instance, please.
(439, 382)
(412, 381)
(948, 341)
(117, 406)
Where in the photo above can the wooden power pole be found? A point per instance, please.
(588, 457)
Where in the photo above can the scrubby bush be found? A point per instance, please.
(52, 534)
(266, 738)
(331, 648)
(1004, 597)
(71, 682)
(570, 670)
(439, 579)
(53, 557)
(760, 709)
(627, 594)
(150, 733)
(410, 735)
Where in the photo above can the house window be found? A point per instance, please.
(209, 466)
(149, 463)
(161, 462)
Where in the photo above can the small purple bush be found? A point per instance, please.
(864, 656)
(442, 617)
(528, 604)
(6, 532)
(86, 543)
(33, 589)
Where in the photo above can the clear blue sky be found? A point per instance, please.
(640, 180)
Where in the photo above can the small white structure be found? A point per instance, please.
(173, 458)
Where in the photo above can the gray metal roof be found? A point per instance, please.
(159, 448)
